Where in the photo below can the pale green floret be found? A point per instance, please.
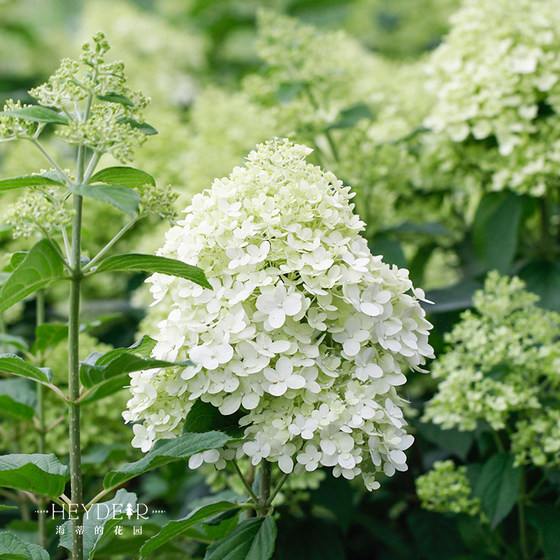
(537, 440)
(14, 127)
(41, 212)
(158, 201)
(501, 369)
(498, 87)
(446, 489)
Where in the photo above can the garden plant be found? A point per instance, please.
(322, 321)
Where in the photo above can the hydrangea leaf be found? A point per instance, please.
(10, 363)
(348, 118)
(152, 263)
(15, 341)
(13, 548)
(116, 98)
(125, 176)
(166, 451)
(17, 399)
(123, 198)
(38, 473)
(203, 417)
(101, 514)
(27, 181)
(546, 519)
(49, 335)
(37, 114)
(143, 127)
(252, 539)
(39, 268)
(108, 366)
(498, 487)
(496, 230)
(177, 527)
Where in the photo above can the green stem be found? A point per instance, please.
(103, 251)
(47, 156)
(522, 524)
(245, 482)
(547, 239)
(74, 366)
(264, 491)
(41, 505)
(277, 489)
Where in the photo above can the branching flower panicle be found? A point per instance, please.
(305, 333)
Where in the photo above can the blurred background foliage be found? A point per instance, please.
(447, 129)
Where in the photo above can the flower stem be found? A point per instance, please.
(244, 480)
(41, 503)
(74, 366)
(522, 525)
(264, 491)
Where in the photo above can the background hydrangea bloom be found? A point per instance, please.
(305, 332)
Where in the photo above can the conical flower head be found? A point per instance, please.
(305, 332)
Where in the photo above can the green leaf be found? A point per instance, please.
(456, 297)
(391, 249)
(496, 230)
(37, 114)
(166, 451)
(17, 258)
(175, 528)
(17, 399)
(498, 487)
(13, 548)
(203, 417)
(123, 198)
(546, 519)
(10, 363)
(125, 176)
(41, 267)
(252, 539)
(455, 441)
(27, 181)
(288, 91)
(101, 514)
(144, 127)
(96, 370)
(351, 116)
(49, 335)
(116, 98)
(151, 263)
(5, 508)
(41, 474)
(15, 341)
(543, 278)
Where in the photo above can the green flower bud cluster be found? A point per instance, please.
(13, 127)
(112, 126)
(446, 489)
(158, 201)
(501, 369)
(42, 211)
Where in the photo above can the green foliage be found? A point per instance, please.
(166, 451)
(252, 539)
(13, 548)
(154, 264)
(41, 267)
(175, 528)
(42, 474)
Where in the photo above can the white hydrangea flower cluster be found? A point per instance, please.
(305, 332)
(491, 80)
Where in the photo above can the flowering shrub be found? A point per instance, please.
(305, 332)
(501, 369)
